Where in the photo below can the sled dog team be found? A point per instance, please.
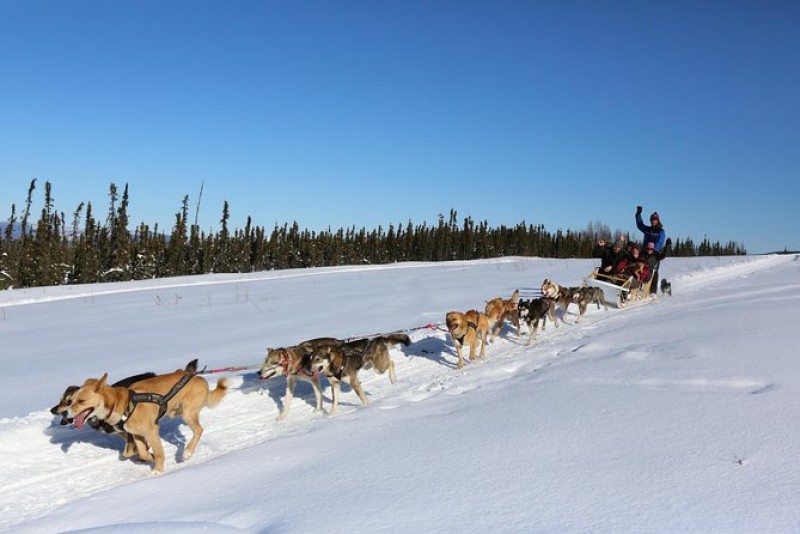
(132, 408)
(471, 327)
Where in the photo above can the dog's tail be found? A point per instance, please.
(393, 339)
(218, 393)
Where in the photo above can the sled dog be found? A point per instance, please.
(295, 364)
(666, 287)
(102, 426)
(467, 329)
(138, 409)
(563, 296)
(587, 295)
(499, 309)
(341, 363)
(534, 310)
(550, 289)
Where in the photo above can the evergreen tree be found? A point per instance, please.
(120, 242)
(46, 254)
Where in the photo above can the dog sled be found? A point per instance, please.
(616, 288)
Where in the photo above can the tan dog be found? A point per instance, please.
(341, 363)
(466, 329)
(499, 309)
(138, 410)
(101, 426)
(295, 364)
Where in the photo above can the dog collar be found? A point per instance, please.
(111, 413)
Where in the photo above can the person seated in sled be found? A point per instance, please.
(610, 254)
(635, 266)
(631, 270)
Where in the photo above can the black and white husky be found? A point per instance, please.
(534, 310)
(666, 287)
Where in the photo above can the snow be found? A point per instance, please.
(675, 415)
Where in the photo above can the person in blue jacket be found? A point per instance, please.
(656, 235)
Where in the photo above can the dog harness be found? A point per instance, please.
(470, 324)
(350, 350)
(155, 398)
(289, 369)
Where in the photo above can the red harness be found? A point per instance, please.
(286, 364)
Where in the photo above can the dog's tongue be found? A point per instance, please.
(80, 419)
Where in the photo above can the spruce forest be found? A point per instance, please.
(49, 250)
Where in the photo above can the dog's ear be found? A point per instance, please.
(191, 367)
(102, 381)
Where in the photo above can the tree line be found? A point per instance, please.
(48, 251)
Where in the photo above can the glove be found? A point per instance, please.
(638, 210)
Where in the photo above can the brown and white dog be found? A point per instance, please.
(341, 363)
(636, 271)
(550, 289)
(467, 329)
(535, 310)
(137, 410)
(498, 310)
(587, 295)
(295, 364)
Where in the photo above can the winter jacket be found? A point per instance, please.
(652, 234)
(633, 265)
(608, 258)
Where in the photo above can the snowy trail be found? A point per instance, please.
(48, 466)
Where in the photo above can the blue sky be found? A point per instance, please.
(363, 113)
